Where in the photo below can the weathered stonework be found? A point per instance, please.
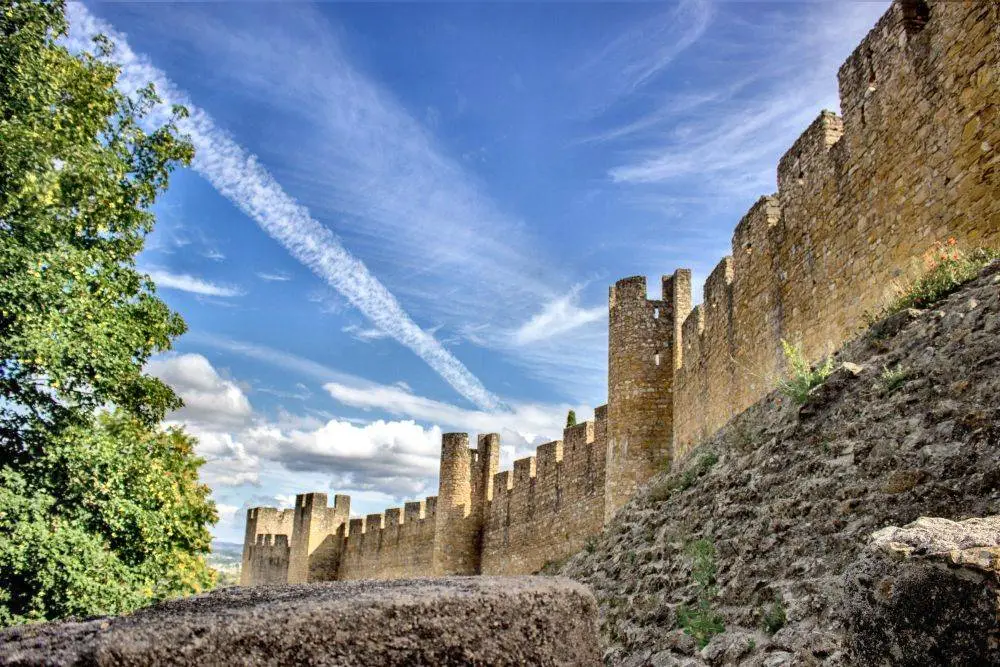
(860, 199)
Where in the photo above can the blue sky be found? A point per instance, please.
(403, 217)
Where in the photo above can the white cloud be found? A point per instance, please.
(525, 423)
(240, 177)
(558, 317)
(273, 277)
(730, 137)
(187, 283)
(207, 396)
(364, 334)
(214, 255)
(634, 59)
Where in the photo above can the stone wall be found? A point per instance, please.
(267, 560)
(641, 364)
(550, 504)
(394, 545)
(860, 199)
(261, 522)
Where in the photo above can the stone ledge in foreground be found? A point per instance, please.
(446, 621)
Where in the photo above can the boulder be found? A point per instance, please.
(927, 594)
(448, 621)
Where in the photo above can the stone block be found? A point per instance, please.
(448, 621)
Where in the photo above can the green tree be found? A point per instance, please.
(100, 509)
(571, 418)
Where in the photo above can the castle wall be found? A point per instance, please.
(463, 494)
(262, 521)
(860, 199)
(268, 560)
(395, 545)
(548, 506)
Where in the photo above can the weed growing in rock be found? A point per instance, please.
(946, 269)
(663, 490)
(774, 617)
(802, 377)
(705, 462)
(701, 621)
(591, 544)
(893, 378)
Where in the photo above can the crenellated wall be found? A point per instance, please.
(860, 200)
(547, 507)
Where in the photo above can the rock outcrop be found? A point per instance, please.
(456, 621)
(755, 530)
(927, 594)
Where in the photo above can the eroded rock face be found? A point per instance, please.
(452, 621)
(927, 594)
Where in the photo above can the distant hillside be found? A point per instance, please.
(752, 532)
(226, 558)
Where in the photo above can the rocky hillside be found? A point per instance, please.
(754, 531)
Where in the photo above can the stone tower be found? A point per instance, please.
(643, 352)
(463, 489)
(313, 546)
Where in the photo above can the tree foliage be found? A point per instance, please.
(100, 510)
(571, 418)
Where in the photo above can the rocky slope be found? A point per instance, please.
(756, 529)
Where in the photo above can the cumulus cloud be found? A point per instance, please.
(187, 283)
(524, 427)
(207, 396)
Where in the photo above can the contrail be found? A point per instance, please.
(238, 176)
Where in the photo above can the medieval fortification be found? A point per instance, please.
(913, 160)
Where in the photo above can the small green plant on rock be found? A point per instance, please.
(701, 621)
(802, 377)
(893, 378)
(774, 617)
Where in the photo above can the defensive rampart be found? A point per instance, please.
(860, 200)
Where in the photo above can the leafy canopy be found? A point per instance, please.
(100, 510)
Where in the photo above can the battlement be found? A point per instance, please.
(858, 199)
(797, 167)
(912, 161)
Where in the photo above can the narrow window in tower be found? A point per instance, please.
(656, 313)
(656, 358)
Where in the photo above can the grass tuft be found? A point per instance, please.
(893, 378)
(802, 377)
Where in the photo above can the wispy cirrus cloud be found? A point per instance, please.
(635, 58)
(557, 317)
(729, 135)
(274, 277)
(419, 216)
(364, 334)
(240, 177)
(188, 283)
